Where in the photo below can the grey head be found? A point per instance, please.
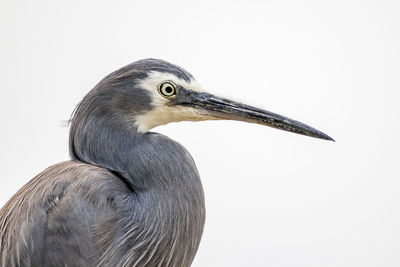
(152, 92)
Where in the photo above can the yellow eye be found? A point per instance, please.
(167, 89)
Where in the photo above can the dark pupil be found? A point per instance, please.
(168, 89)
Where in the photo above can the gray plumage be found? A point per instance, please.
(128, 197)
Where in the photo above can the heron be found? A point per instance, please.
(127, 196)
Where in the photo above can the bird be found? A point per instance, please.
(128, 196)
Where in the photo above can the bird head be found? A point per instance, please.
(152, 92)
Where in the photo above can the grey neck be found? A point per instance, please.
(164, 181)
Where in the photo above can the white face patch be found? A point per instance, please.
(163, 113)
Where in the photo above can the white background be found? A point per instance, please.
(273, 198)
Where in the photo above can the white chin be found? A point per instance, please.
(166, 114)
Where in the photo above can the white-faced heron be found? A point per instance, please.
(128, 197)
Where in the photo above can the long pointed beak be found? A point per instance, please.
(208, 104)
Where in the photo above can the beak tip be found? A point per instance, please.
(331, 139)
(326, 137)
